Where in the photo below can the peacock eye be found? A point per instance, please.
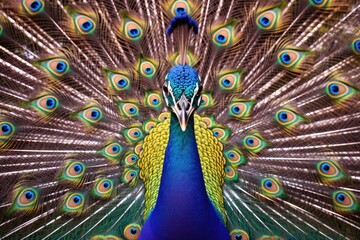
(166, 90)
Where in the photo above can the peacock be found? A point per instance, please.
(180, 119)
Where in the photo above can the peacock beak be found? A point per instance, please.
(183, 110)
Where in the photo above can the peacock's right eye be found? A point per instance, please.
(165, 89)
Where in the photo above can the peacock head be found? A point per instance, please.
(182, 92)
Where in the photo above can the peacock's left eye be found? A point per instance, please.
(33, 7)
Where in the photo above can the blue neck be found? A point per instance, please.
(183, 208)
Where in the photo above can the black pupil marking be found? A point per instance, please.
(133, 231)
(115, 148)
(326, 167)
(49, 102)
(122, 82)
(268, 184)
(28, 195)
(132, 174)
(237, 109)
(106, 185)
(148, 69)
(238, 237)
(286, 57)
(180, 10)
(5, 128)
(227, 81)
(136, 133)
(283, 116)
(221, 37)
(132, 110)
(86, 25)
(77, 168)
(341, 197)
(94, 113)
(35, 5)
(251, 141)
(265, 20)
(60, 66)
(231, 155)
(335, 88)
(76, 199)
(134, 31)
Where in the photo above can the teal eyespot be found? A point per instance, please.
(57, 67)
(111, 151)
(132, 231)
(344, 201)
(129, 109)
(221, 133)
(74, 203)
(132, 28)
(153, 100)
(235, 157)
(293, 59)
(26, 200)
(73, 172)
(223, 35)
(90, 115)
(130, 176)
(229, 80)
(270, 18)
(131, 158)
(231, 173)
(103, 188)
(330, 171)
(254, 143)
(147, 67)
(33, 7)
(133, 134)
(7, 129)
(340, 91)
(84, 24)
(45, 104)
(206, 101)
(289, 118)
(240, 109)
(271, 187)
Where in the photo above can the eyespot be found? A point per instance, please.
(130, 176)
(133, 134)
(221, 134)
(329, 171)
(235, 157)
(57, 67)
(269, 19)
(231, 174)
(356, 46)
(321, 3)
(118, 81)
(128, 109)
(206, 101)
(27, 199)
(254, 143)
(131, 159)
(90, 115)
(33, 7)
(340, 91)
(153, 100)
(147, 69)
(291, 58)
(345, 201)
(74, 203)
(271, 187)
(74, 171)
(163, 116)
(238, 234)
(6, 130)
(83, 24)
(45, 104)
(132, 231)
(190, 59)
(133, 30)
(209, 121)
(229, 80)
(138, 148)
(180, 7)
(288, 118)
(103, 188)
(224, 35)
(240, 109)
(112, 151)
(148, 125)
